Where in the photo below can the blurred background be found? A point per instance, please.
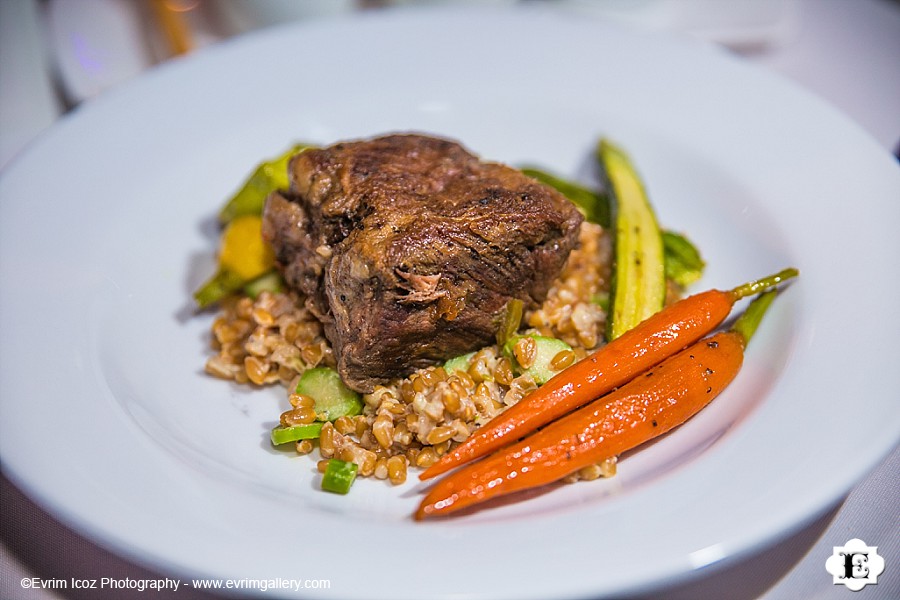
(56, 55)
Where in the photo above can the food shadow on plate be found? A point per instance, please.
(487, 506)
(200, 266)
(632, 475)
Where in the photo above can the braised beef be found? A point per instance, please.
(408, 248)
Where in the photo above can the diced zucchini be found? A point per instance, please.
(639, 279)
(546, 349)
(333, 398)
(270, 282)
(601, 299)
(339, 476)
(459, 363)
(283, 435)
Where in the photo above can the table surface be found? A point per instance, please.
(846, 51)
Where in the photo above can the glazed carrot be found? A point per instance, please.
(648, 406)
(635, 351)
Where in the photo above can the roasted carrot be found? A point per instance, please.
(648, 406)
(635, 351)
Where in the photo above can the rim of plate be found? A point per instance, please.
(135, 519)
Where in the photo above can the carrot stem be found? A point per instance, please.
(760, 285)
(747, 323)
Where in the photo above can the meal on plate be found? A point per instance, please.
(426, 308)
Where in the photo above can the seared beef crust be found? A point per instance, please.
(408, 248)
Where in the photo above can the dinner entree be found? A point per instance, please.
(407, 248)
(407, 293)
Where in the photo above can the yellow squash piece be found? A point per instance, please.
(244, 258)
(243, 250)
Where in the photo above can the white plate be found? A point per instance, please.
(106, 227)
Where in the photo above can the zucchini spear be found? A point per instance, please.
(639, 278)
(245, 262)
(269, 176)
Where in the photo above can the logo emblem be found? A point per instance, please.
(855, 565)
